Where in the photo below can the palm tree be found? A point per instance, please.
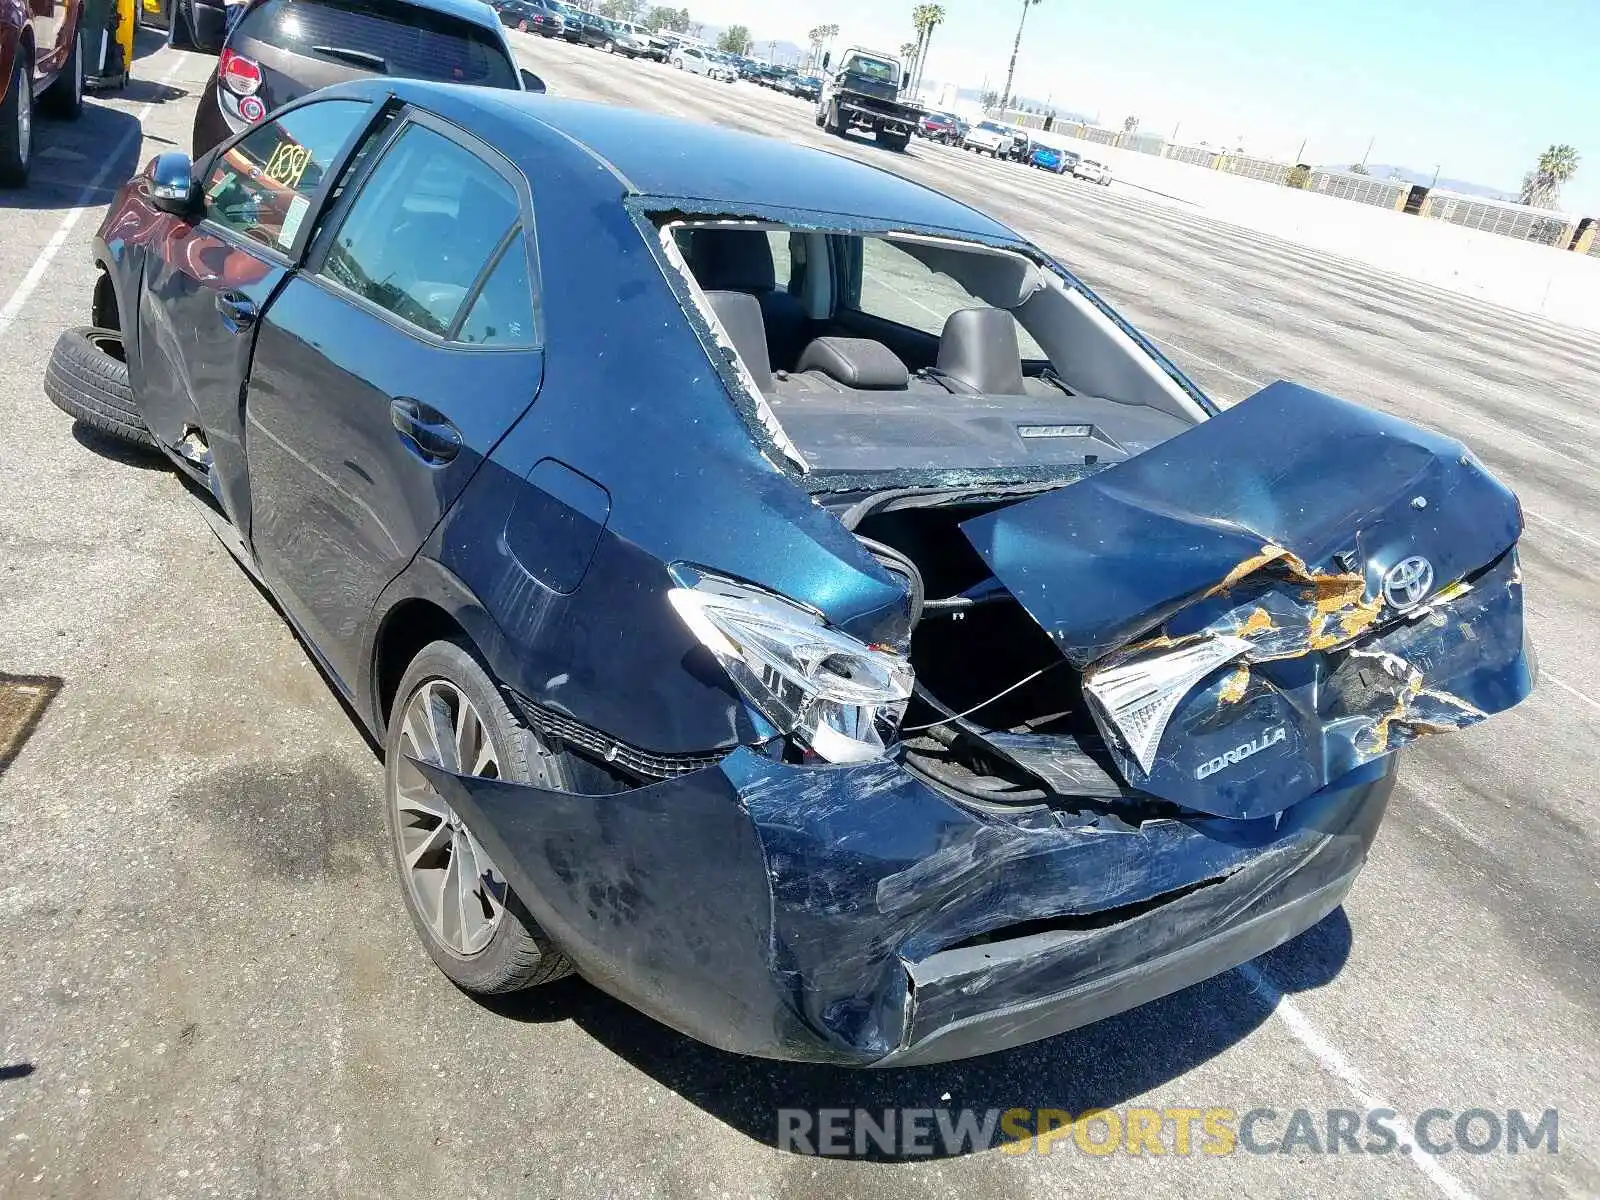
(1541, 187)
(814, 39)
(908, 55)
(925, 18)
(1005, 96)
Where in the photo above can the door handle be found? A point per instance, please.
(426, 431)
(238, 310)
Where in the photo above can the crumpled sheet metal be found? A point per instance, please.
(1289, 477)
(1276, 523)
(783, 911)
(1299, 710)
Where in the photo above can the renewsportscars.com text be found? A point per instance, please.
(908, 1132)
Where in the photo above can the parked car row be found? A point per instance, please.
(999, 140)
(551, 18)
(41, 65)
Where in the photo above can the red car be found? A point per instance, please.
(941, 127)
(41, 60)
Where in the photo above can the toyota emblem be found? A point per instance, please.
(1408, 581)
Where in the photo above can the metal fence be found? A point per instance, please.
(1362, 189)
(1544, 226)
(1541, 226)
(1263, 169)
(1195, 156)
(1144, 143)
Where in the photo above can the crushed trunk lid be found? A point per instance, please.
(1275, 596)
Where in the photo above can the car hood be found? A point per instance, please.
(1275, 596)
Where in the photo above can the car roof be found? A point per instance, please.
(724, 169)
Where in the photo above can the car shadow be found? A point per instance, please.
(1099, 1066)
(146, 458)
(79, 162)
(147, 41)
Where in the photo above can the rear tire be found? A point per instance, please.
(64, 97)
(492, 945)
(88, 380)
(16, 126)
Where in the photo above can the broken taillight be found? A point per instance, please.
(840, 697)
(1137, 699)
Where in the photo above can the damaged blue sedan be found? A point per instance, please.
(784, 595)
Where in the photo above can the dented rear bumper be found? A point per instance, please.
(855, 915)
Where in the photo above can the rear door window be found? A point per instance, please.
(422, 230)
(502, 312)
(262, 187)
(389, 37)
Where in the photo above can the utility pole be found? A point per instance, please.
(1368, 154)
(1435, 182)
(1300, 154)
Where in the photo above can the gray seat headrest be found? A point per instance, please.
(740, 314)
(979, 348)
(856, 363)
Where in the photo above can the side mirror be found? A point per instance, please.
(531, 82)
(172, 183)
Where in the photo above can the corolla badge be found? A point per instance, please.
(1408, 581)
(1238, 754)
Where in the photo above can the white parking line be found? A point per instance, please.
(85, 200)
(1546, 677)
(1562, 527)
(1327, 1054)
(1206, 362)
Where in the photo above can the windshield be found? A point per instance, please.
(991, 127)
(417, 43)
(872, 68)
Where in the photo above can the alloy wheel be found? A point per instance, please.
(453, 883)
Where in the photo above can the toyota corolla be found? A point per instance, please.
(783, 594)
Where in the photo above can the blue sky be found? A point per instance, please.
(1477, 86)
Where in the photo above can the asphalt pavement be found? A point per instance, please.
(208, 985)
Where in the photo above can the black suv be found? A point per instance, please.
(279, 50)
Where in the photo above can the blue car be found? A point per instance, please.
(783, 594)
(1049, 158)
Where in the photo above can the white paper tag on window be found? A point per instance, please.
(298, 207)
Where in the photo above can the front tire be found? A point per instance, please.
(16, 127)
(64, 98)
(448, 711)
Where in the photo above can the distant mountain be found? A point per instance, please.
(774, 50)
(1464, 186)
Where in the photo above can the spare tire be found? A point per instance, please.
(88, 379)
